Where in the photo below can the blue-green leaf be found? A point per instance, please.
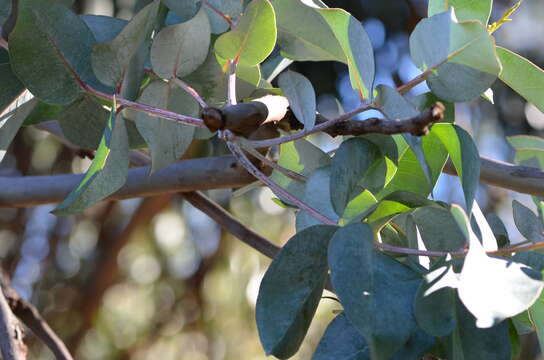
(291, 289)
(301, 96)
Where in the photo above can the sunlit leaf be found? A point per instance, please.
(464, 9)
(253, 38)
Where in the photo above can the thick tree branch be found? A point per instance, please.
(189, 175)
(30, 316)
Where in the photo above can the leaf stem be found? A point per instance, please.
(231, 95)
(150, 110)
(233, 146)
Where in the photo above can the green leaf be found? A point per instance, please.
(12, 116)
(180, 49)
(376, 291)
(111, 59)
(43, 112)
(104, 28)
(435, 302)
(291, 289)
(315, 41)
(464, 155)
(253, 38)
(317, 195)
(300, 156)
(83, 122)
(528, 224)
(524, 77)
(464, 9)
(438, 228)
(536, 314)
(357, 49)
(499, 230)
(11, 87)
(5, 10)
(342, 341)
(230, 8)
(351, 161)
(395, 106)
(108, 171)
(526, 142)
(468, 342)
(410, 176)
(494, 289)
(50, 50)
(301, 96)
(167, 140)
(461, 56)
(185, 10)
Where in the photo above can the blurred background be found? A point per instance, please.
(156, 279)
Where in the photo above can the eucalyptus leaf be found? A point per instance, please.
(351, 161)
(104, 28)
(376, 291)
(464, 9)
(111, 59)
(522, 76)
(253, 38)
(180, 49)
(167, 140)
(438, 228)
(461, 54)
(12, 116)
(83, 122)
(108, 171)
(50, 50)
(301, 96)
(185, 9)
(291, 289)
(464, 155)
(342, 341)
(315, 41)
(528, 224)
(10, 87)
(216, 8)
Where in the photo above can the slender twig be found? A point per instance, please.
(320, 127)
(182, 84)
(244, 144)
(231, 95)
(149, 110)
(229, 223)
(11, 342)
(215, 10)
(252, 169)
(31, 317)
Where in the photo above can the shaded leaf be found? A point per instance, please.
(428, 99)
(12, 116)
(438, 229)
(83, 122)
(342, 341)
(464, 155)
(180, 49)
(108, 171)
(104, 28)
(301, 96)
(185, 10)
(167, 140)
(230, 8)
(291, 289)
(253, 38)
(50, 49)
(376, 291)
(528, 224)
(11, 87)
(351, 161)
(111, 59)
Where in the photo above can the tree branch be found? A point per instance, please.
(195, 174)
(30, 316)
(11, 336)
(230, 224)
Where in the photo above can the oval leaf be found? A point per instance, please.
(291, 289)
(301, 96)
(253, 38)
